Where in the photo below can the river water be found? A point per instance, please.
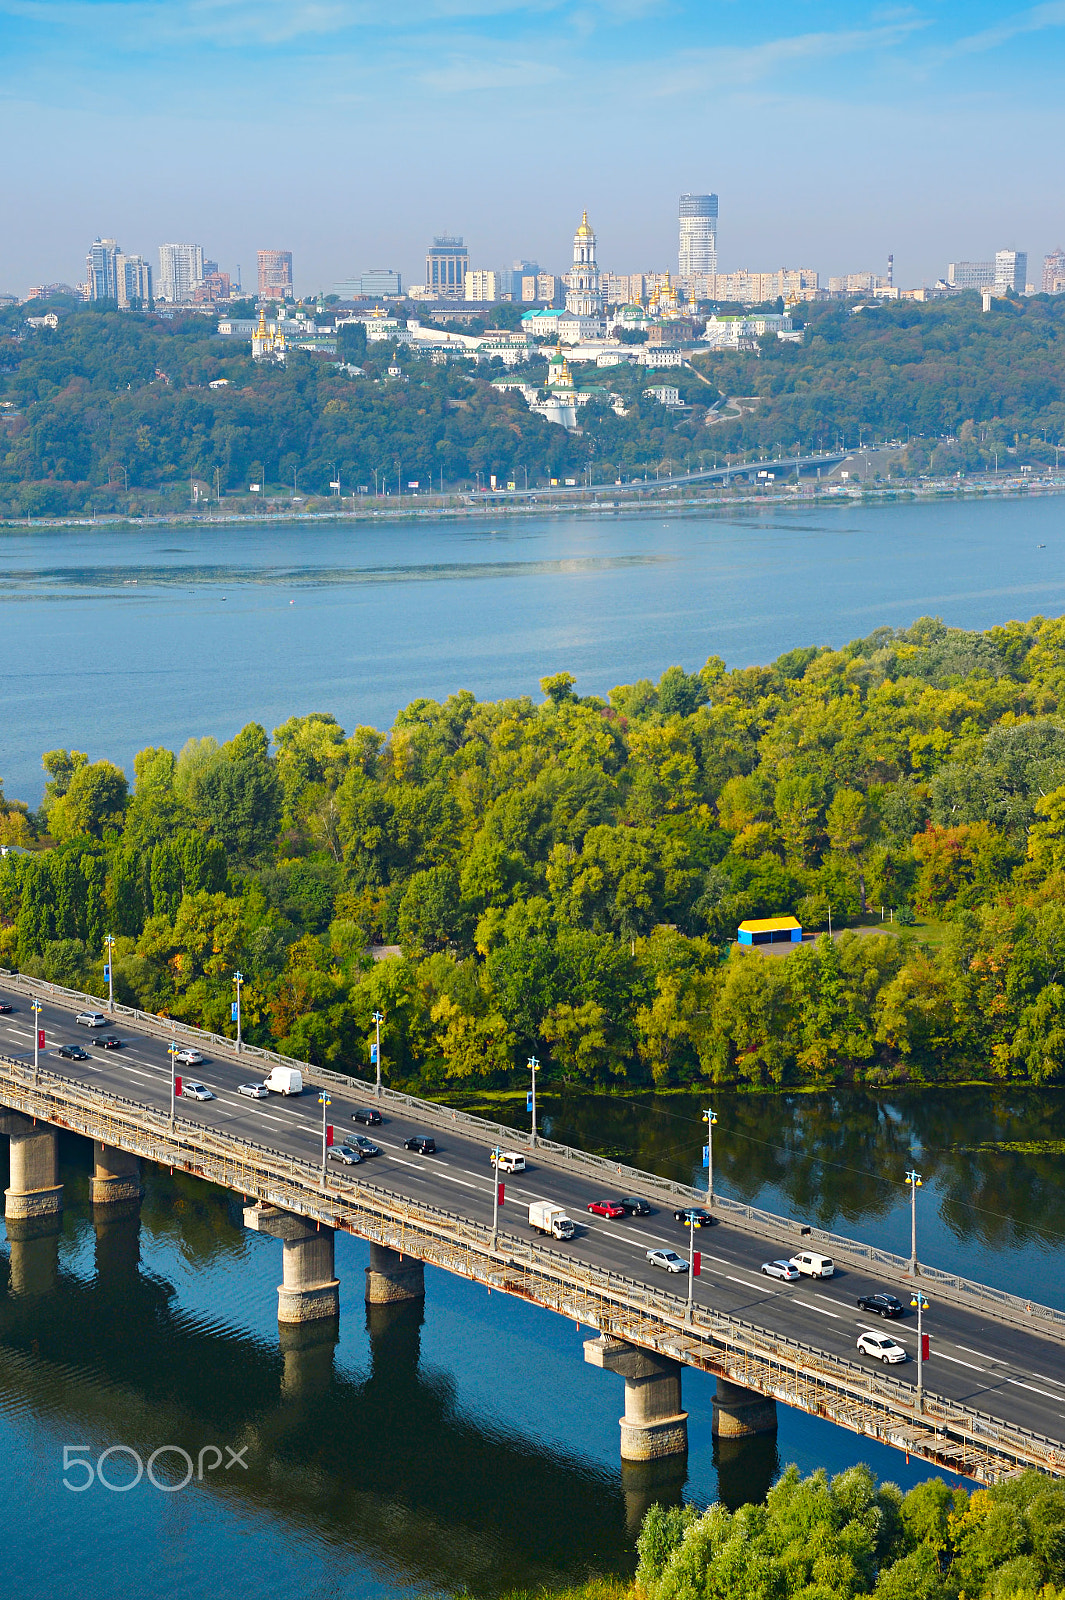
(111, 639)
(466, 1447)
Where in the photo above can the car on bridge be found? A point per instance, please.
(634, 1207)
(606, 1208)
(420, 1144)
(5, 1009)
(781, 1269)
(191, 1090)
(668, 1260)
(814, 1265)
(508, 1160)
(187, 1057)
(345, 1153)
(367, 1115)
(107, 1042)
(91, 1019)
(73, 1052)
(881, 1348)
(881, 1305)
(694, 1214)
(253, 1091)
(364, 1146)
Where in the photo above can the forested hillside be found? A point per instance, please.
(126, 412)
(567, 876)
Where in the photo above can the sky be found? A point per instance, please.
(351, 131)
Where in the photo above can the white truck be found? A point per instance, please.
(549, 1219)
(285, 1080)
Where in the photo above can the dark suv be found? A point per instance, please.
(634, 1207)
(367, 1115)
(882, 1305)
(422, 1145)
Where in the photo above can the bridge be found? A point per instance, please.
(737, 472)
(997, 1366)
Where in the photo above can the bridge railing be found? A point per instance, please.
(961, 1437)
(1001, 1303)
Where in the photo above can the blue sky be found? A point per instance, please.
(351, 130)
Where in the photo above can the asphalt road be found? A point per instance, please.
(1007, 1372)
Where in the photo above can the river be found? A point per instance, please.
(114, 638)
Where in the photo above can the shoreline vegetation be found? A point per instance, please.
(566, 878)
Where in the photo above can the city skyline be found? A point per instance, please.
(882, 118)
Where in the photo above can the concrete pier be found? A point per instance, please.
(654, 1425)
(739, 1413)
(34, 1190)
(392, 1278)
(307, 1349)
(33, 1243)
(116, 1176)
(309, 1289)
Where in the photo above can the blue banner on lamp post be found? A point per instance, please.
(706, 1155)
(233, 1008)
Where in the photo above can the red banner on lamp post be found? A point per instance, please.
(502, 1188)
(697, 1263)
(329, 1136)
(40, 1038)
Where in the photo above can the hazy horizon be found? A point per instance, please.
(350, 135)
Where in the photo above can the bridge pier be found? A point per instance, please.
(739, 1413)
(307, 1350)
(116, 1176)
(309, 1290)
(34, 1190)
(392, 1278)
(654, 1426)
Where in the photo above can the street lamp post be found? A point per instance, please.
(109, 941)
(172, 1051)
(36, 1008)
(918, 1300)
(913, 1178)
(496, 1153)
(378, 1017)
(325, 1102)
(710, 1117)
(238, 979)
(691, 1262)
(533, 1064)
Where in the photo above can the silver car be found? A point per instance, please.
(253, 1091)
(668, 1260)
(344, 1153)
(781, 1269)
(91, 1019)
(191, 1090)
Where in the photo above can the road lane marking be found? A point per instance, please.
(980, 1353)
(819, 1309)
(941, 1355)
(1045, 1392)
(762, 1287)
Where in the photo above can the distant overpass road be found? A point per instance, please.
(1013, 1373)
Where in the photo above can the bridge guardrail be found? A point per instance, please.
(965, 1292)
(960, 1437)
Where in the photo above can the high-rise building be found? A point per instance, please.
(583, 295)
(1011, 270)
(275, 274)
(447, 262)
(133, 282)
(698, 234)
(1054, 273)
(100, 282)
(181, 271)
(481, 284)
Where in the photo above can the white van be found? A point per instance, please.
(813, 1265)
(285, 1080)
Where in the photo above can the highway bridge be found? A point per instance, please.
(737, 472)
(997, 1369)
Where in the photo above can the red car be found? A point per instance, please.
(607, 1208)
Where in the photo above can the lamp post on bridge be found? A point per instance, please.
(325, 1102)
(496, 1153)
(709, 1117)
(172, 1051)
(36, 1009)
(918, 1300)
(109, 971)
(913, 1178)
(533, 1064)
(378, 1018)
(238, 979)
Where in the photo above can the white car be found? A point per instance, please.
(882, 1347)
(91, 1019)
(253, 1091)
(191, 1090)
(668, 1260)
(508, 1161)
(781, 1269)
(189, 1058)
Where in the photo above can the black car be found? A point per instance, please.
(364, 1146)
(368, 1115)
(421, 1144)
(108, 1042)
(73, 1052)
(882, 1305)
(635, 1208)
(5, 1008)
(696, 1214)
